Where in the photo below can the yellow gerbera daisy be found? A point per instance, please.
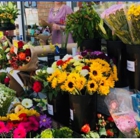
(92, 86)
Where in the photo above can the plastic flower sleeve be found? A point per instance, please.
(120, 107)
(114, 16)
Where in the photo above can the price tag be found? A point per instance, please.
(131, 66)
(71, 114)
(56, 58)
(50, 109)
(1, 34)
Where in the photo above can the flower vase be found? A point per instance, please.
(117, 51)
(91, 44)
(82, 111)
(58, 108)
(133, 66)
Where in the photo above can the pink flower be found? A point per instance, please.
(33, 123)
(3, 127)
(26, 126)
(19, 132)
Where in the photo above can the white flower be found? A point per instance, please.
(50, 70)
(7, 55)
(77, 57)
(27, 103)
(26, 47)
(84, 72)
(66, 57)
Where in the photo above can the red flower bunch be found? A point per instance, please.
(85, 128)
(37, 86)
(19, 54)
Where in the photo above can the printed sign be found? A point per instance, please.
(131, 66)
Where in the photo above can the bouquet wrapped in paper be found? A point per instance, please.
(24, 57)
(123, 19)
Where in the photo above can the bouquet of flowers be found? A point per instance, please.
(78, 75)
(23, 120)
(123, 19)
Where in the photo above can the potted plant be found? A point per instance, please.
(86, 27)
(8, 15)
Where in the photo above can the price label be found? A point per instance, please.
(71, 114)
(50, 109)
(131, 66)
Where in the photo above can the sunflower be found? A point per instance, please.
(80, 82)
(70, 85)
(62, 77)
(104, 87)
(111, 81)
(95, 71)
(92, 86)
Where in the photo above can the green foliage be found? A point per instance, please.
(6, 97)
(85, 24)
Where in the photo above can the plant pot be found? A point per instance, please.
(91, 44)
(58, 108)
(133, 66)
(7, 26)
(82, 111)
(117, 51)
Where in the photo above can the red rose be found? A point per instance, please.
(6, 80)
(59, 62)
(85, 128)
(37, 86)
(20, 44)
(110, 133)
(28, 52)
(110, 119)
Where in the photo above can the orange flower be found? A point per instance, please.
(12, 49)
(22, 56)
(85, 128)
(110, 133)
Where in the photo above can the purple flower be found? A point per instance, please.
(45, 121)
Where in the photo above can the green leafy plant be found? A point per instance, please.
(85, 24)
(8, 12)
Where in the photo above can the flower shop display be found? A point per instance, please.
(8, 15)
(126, 19)
(86, 27)
(83, 79)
